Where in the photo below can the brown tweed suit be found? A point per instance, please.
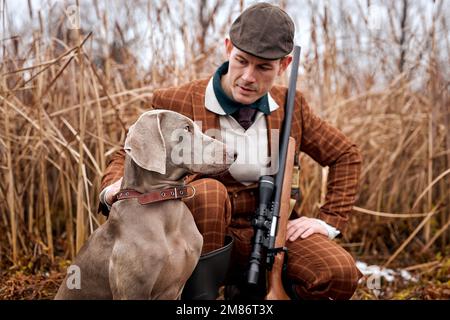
(317, 266)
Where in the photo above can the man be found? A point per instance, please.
(240, 101)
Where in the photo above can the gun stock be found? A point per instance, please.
(275, 290)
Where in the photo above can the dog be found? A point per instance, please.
(149, 250)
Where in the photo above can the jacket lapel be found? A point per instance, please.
(208, 120)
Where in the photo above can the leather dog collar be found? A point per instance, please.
(157, 195)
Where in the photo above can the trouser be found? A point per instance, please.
(317, 267)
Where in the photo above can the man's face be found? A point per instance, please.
(249, 77)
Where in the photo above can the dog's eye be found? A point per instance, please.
(187, 129)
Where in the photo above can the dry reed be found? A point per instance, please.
(67, 96)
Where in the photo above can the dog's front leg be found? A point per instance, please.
(133, 270)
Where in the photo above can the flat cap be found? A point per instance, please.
(263, 30)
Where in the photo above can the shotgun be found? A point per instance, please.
(273, 210)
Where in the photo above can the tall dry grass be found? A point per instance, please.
(67, 96)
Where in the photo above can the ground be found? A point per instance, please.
(39, 279)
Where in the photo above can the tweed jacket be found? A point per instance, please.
(314, 136)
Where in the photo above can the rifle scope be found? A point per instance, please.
(266, 188)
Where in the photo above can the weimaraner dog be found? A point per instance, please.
(148, 251)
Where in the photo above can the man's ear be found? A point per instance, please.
(228, 47)
(284, 63)
(145, 142)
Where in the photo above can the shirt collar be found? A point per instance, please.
(218, 102)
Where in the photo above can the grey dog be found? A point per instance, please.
(149, 251)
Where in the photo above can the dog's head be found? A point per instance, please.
(162, 138)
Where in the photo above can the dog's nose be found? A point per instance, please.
(235, 155)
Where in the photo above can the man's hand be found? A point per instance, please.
(304, 227)
(112, 190)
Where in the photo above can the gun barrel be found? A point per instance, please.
(284, 142)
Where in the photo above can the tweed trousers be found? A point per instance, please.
(317, 268)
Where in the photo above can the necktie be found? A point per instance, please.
(245, 116)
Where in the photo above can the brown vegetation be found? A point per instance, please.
(67, 96)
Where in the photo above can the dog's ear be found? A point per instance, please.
(145, 143)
